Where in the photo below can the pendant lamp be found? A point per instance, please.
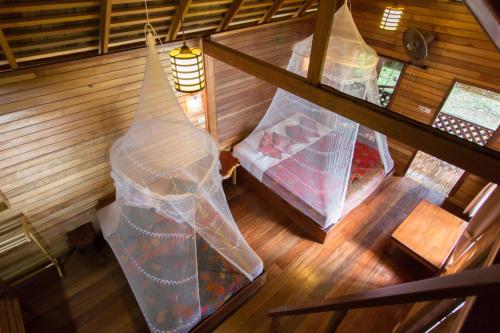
(187, 67)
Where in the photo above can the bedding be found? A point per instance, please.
(305, 190)
(300, 178)
(149, 261)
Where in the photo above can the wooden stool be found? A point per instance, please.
(429, 234)
(229, 164)
(83, 239)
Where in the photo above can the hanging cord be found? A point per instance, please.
(182, 27)
(349, 4)
(148, 27)
(359, 38)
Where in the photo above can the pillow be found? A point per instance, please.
(266, 146)
(297, 134)
(282, 143)
(309, 126)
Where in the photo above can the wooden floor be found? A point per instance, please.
(96, 298)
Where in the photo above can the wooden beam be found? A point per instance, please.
(271, 11)
(479, 160)
(7, 51)
(304, 8)
(487, 18)
(179, 16)
(321, 39)
(230, 14)
(106, 8)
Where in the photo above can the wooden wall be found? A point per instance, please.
(241, 99)
(461, 51)
(57, 123)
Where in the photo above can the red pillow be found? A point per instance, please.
(297, 134)
(266, 146)
(282, 143)
(309, 126)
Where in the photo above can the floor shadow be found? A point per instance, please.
(44, 304)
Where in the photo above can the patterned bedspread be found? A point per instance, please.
(151, 260)
(302, 182)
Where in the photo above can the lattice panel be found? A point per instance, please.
(463, 129)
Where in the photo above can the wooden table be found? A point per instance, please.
(228, 164)
(429, 234)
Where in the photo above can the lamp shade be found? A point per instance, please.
(187, 69)
(391, 17)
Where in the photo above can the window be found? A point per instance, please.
(475, 105)
(389, 72)
(468, 112)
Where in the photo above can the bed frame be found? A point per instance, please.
(230, 306)
(314, 230)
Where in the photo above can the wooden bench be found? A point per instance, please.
(11, 318)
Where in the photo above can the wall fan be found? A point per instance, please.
(416, 43)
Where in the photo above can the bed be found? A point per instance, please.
(291, 177)
(221, 287)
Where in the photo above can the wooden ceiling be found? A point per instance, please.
(34, 32)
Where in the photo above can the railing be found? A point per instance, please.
(463, 128)
(467, 283)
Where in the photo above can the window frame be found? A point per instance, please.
(400, 78)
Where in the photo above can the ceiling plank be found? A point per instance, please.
(52, 19)
(304, 8)
(271, 11)
(7, 51)
(230, 14)
(321, 40)
(479, 160)
(179, 16)
(105, 26)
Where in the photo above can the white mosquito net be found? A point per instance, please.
(170, 226)
(320, 162)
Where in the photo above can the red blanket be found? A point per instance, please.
(303, 181)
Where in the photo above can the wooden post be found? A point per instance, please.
(106, 7)
(210, 102)
(7, 51)
(481, 161)
(179, 16)
(321, 39)
(230, 14)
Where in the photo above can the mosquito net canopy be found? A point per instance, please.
(170, 226)
(320, 162)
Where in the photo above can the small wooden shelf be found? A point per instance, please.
(429, 234)
(17, 232)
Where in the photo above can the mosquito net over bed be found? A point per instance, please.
(320, 162)
(170, 226)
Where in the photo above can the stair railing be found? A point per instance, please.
(472, 282)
